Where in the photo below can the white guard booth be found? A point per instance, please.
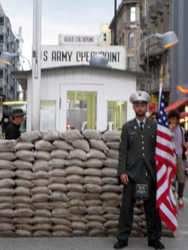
(82, 97)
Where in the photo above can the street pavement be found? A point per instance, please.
(180, 241)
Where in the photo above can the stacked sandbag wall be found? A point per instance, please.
(60, 185)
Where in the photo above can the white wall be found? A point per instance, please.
(109, 85)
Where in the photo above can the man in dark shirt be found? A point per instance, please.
(12, 131)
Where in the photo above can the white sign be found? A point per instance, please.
(78, 40)
(56, 56)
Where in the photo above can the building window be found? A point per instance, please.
(133, 14)
(130, 63)
(81, 110)
(48, 115)
(123, 42)
(117, 115)
(120, 41)
(131, 40)
(103, 37)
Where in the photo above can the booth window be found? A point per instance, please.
(117, 115)
(81, 110)
(48, 115)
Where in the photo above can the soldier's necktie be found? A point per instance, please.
(142, 125)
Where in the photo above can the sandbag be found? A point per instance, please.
(7, 145)
(40, 165)
(74, 178)
(58, 196)
(71, 135)
(23, 183)
(93, 188)
(113, 145)
(57, 173)
(112, 153)
(57, 187)
(75, 187)
(81, 144)
(41, 174)
(43, 189)
(74, 162)
(110, 162)
(31, 136)
(6, 192)
(23, 212)
(59, 153)
(7, 156)
(60, 144)
(22, 191)
(51, 135)
(93, 172)
(110, 180)
(25, 155)
(74, 170)
(110, 136)
(57, 180)
(93, 163)
(43, 146)
(80, 210)
(41, 197)
(7, 183)
(22, 165)
(5, 164)
(95, 210)
(59, 213)
(109, 172)
(6, 174)
(40, 182)
(77, 154)
(95, 153)
(24, 146)
(93, 180)
(56, 163)
(42, 155)
(25, 174)
(92, 134)
(99, 145)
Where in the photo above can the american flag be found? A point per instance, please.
(165, 169)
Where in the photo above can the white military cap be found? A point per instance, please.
(140, 96)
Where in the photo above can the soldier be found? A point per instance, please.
(137, 166)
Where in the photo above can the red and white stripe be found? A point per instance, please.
(165, 169)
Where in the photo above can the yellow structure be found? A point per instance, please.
(105, 35)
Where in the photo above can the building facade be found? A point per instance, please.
(127, 29)
(9, 87)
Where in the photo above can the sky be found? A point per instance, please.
(58, 17)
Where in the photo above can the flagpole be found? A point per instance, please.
(157, 210)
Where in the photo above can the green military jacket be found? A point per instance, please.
(137, 150)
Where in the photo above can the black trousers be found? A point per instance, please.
(126, 213)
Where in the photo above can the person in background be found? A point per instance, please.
(136, 165)
(154, 116)
(12, 130)
(179, 142)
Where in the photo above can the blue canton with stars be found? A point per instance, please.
(162, 113)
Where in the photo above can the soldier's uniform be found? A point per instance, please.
(136, 159)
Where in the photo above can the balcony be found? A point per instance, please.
(159, 6)
(2, 30)
(2, 82)
(3, 47)
(153, 11)
(143, 22)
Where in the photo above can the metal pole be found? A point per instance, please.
(36, 66)
(148, 33)
(115, 21)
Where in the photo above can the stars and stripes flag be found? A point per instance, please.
(165, 169)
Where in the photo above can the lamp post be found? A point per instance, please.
(167, 40)
(36, 63)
